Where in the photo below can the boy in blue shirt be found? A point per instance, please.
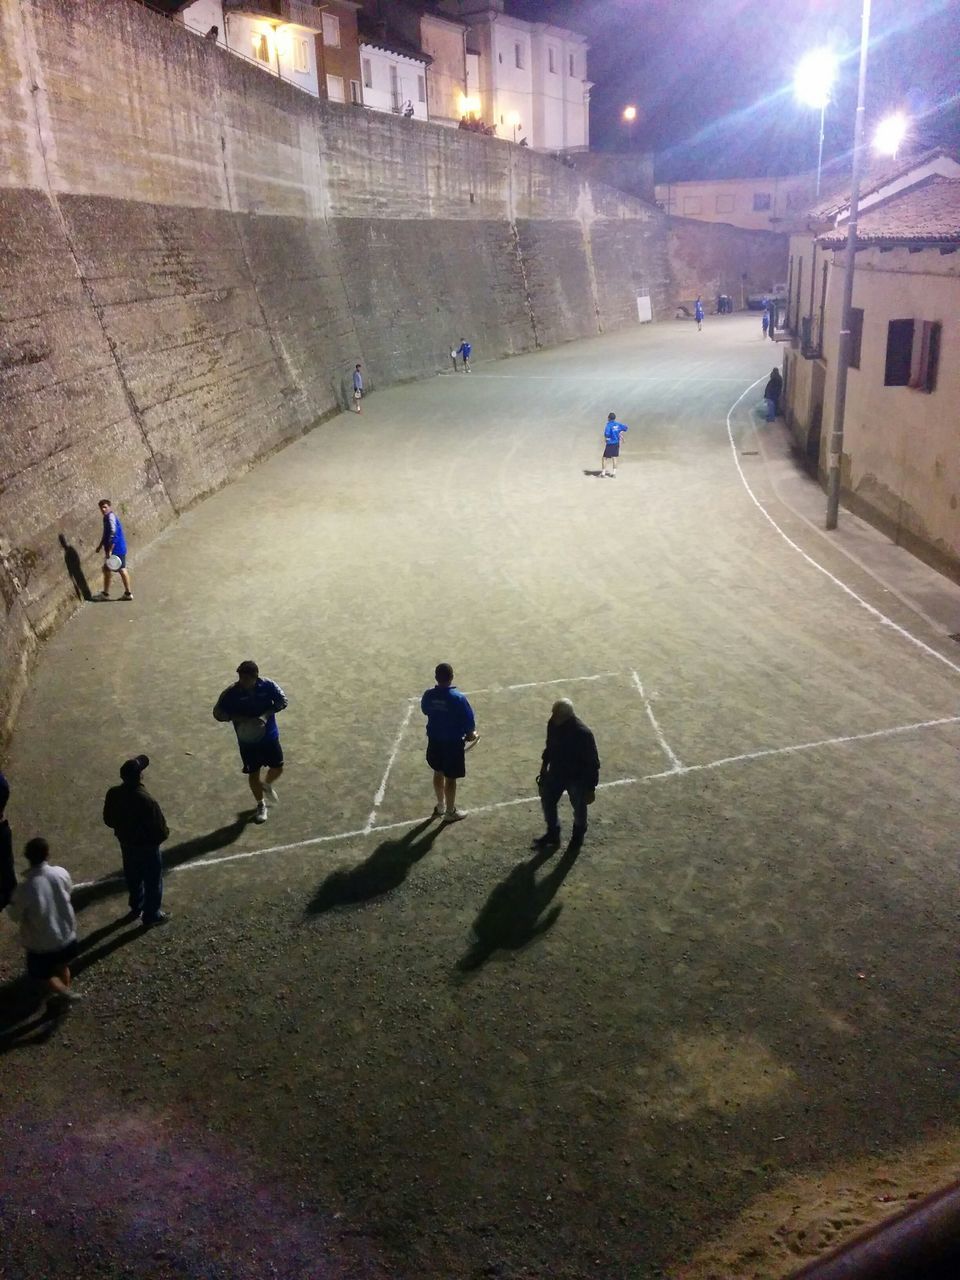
(463, 351)
(698, 312)
(252, 705)
(357, 388)
(612, 432)
(112, 543)
(450, 722)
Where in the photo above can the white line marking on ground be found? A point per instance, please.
(382, 789)
(361, 832)
(876, 613)
(537, 684)
(623, 377)
(665, 747)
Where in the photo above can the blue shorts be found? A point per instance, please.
(612, 451)
(446, 758)
(265, 754)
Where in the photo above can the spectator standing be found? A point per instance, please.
(450, 723)
(252, 704)
(139, 825)
(48, 927)
(772, 392)
(8, 875)
(463, 351)
(612, 432)
(357, 388)
(765, 321)
(113, 543)
(570, 764)
(698, 312)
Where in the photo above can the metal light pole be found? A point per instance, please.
(823, 112)
(812, 84)
(843, 352)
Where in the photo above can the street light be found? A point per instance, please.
(812, 84)
(630, 116)
(890, 134)
(513, 120)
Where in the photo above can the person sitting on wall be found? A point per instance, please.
(407, 109)
(772, 393)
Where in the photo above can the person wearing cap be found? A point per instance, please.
(42, 908)
(570, 764)
(8, 876)
(252, 704)
(450, 724)
(139, 825)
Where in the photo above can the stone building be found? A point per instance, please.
(756, 204)
(900, 467)
(338, 52)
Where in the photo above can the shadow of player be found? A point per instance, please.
(110, 885)
(71, 558)
(385, 870)
(512, 917)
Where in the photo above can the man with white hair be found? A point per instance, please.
(570, 764)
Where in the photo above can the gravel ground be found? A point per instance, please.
(711, 1045)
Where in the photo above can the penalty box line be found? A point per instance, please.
(745, 757)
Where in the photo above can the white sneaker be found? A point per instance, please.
(101, 595)
(454, 815)
(438, 811)
(270, 794)
(262, 813)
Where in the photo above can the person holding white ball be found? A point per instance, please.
(252, 705)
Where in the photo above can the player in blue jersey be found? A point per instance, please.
(112, 543)
(612, 432)
(450, 723)
(252, 704)
(463, 351)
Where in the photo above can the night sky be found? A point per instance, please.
(712, 78)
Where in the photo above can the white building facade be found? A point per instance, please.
(281, 38)
(391, 79)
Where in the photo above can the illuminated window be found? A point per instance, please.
(261, 46)
(301, 56)
(331, 30)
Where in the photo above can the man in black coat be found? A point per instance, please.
(138, 823)
(571, 764)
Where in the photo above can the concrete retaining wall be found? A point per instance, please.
(196, 255)
(710, 258)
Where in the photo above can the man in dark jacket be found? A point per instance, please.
(138, 823)
(571, 764)
(8, 876)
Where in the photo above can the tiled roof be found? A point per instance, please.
(926, 214)
(879, 174)
(380, 36)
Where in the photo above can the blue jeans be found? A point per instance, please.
(550, 793)
(771, 409)
(143, 872)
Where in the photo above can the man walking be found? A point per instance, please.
(463, 351)
(450, 723)
(48, 927)
(357, 388)
(765, 322)
(698, 312)
(612, 432)
(569, 763)
(252, 704)
(138, 823)
(8, 876)
(114, 546)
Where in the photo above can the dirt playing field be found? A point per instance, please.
(716, 1041)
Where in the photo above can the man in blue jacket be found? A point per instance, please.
(252, 704)
(463, 351)
(112, 543)
(450, 723)
(612, 432)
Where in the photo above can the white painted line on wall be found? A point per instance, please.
(675, 765)
(874, 612)
(382, 789)
(361, 832)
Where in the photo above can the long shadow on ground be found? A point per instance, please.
(512, 917)
(110, 885)
(385, 869)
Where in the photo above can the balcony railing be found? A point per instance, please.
(301, 13)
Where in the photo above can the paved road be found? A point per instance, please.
(757, 947)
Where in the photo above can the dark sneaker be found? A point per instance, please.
(160, 918)
(549, 840)
(577, 837)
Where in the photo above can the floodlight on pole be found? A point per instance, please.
(812, 84)
(889, 134)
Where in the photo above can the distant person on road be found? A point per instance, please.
(612, 432)
(570, 764)
(8, 875)
(139, 825)
(113, 544)
(357, 388)
(463, 351)
(698, 312)
(252, 705)
(450, 724)
(772, 393)
(48, 927)
(765, 321)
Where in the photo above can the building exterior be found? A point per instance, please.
(901, 455)
(756, 204)
(279, 35)
(338, 53)
(531, 78)
(393, 71)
